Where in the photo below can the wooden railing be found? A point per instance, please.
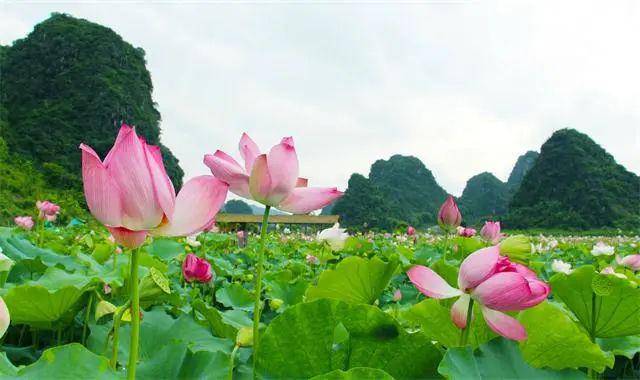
(282, 219)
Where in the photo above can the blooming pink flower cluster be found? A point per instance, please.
(24, 222)
(47, 210)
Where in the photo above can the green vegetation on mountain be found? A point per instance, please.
(575, 183)
(520, 169)
(71, 81)
(236, 206)
(410, 189)
(485, 197)
(400, 190)
(363, 206)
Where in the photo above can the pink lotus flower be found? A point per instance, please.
(449, 216)
(131, 193)
(196, 269)
(25, 222)
(490, 232)
(411, 231)
(312, 260)
(491, 280)
(631, 261)
(466, 231)
(48, 210)
(397, 295)
(271, 179)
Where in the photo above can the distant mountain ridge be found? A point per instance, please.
(576, 184)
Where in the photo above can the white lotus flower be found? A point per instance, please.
(560, 266)
(192, 240)
(601, 249)
(5, 319)
(5, 263)
(335, 236)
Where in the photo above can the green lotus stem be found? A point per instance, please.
(232, 360)
(116, 334)
(464, 334)
(135, 315)
(258, 287)
(86, 320)
(446, 246)
(59, 335)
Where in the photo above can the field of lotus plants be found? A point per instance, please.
(155, 289)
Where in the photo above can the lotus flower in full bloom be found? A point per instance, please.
(560, 266)
(490, 232)
(449, 216)
(47, 210)
(491, 280)
(601, 249)
(631, 261)
(195, 268)
(24, 222)
(271, 179)
(335, 236)
(466, 231)
(132, 195)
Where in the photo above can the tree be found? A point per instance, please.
(485, 197)
(236, 206)
(363, 206)
(71, 81)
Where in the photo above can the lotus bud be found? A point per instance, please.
(5, 319)
(411, 231)
(490, 232)
(276, 303)
(106, 289)
(517, 248)
(397, 295)
(449, 216)
(245, 337)
(195, 268)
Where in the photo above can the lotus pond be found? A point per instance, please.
(329, 311)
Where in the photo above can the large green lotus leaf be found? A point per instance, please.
(616, 310)
(314, 338)
(354, 280)
(7, 369)
(359, 373)
(283, 286)
(236, 296)
(177, 361)
(497, 359)
(165, 249)
(223, 324)
(51, 300)
(157, 330)
(627, 346)
(558, 342)
(19, 249)
(435, 321)
(71, 361)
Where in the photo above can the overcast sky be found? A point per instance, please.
(464, 86)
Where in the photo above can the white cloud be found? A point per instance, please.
(466, 87)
